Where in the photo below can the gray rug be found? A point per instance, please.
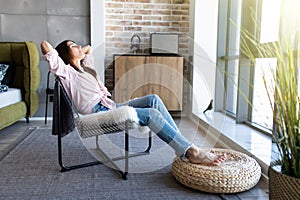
(31, 171)
(11, 136)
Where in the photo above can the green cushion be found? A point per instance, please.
(12, 113)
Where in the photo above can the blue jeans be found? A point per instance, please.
(152, 112)
(99, 107)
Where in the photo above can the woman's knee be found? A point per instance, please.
(156, 115)
(156, 120)
(154, 98)
(149, 115)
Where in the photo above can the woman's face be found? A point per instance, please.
(75, 51)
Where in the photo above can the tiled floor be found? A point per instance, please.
(11, 136)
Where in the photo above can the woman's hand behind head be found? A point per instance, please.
(87, 49)
(46, 47)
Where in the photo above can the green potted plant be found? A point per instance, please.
(284, 98)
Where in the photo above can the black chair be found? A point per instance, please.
(65, 121)
(49, 96)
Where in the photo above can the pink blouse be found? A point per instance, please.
(84, 89)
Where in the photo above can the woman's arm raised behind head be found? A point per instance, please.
(46, 47)
(87, 49)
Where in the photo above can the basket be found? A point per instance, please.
(237, 174)
(282, 186)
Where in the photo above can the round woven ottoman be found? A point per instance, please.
(238, 173)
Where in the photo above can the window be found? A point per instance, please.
(245, 97)
(232, 67)
(204, 58)
(231, 58)
(270, 18)
(239, 89)
(262, 113)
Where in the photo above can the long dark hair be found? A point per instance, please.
(64, 52)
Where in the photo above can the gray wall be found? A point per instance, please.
(52, 20)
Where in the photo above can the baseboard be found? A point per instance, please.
(37, 119)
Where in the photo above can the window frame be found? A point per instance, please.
(246, 67)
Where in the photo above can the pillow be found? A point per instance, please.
(10, 73)
(3, 69)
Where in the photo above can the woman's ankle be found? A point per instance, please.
(193, 151)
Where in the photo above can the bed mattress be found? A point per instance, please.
(12, 96)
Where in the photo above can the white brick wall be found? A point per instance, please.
(125, 18)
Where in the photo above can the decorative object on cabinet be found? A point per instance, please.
(164, 43)
(135, 43)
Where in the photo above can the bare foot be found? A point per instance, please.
(198, 156)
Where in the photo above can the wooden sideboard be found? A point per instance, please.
(139, 75)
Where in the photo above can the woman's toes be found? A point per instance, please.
(208, 158)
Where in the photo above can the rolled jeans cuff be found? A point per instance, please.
(180, 145)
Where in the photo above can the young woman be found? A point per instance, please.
(74, 65)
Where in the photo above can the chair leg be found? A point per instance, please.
(124, 176)
(46, 109)
(68, 168)
(127, 154)
(27, 118)
(149, 142)
(107, 159)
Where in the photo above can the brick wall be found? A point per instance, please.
(124, 18)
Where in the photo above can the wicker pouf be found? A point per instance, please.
(238, 173)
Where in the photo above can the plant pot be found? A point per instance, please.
(282, 186)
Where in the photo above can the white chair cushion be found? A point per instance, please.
(106, 121)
